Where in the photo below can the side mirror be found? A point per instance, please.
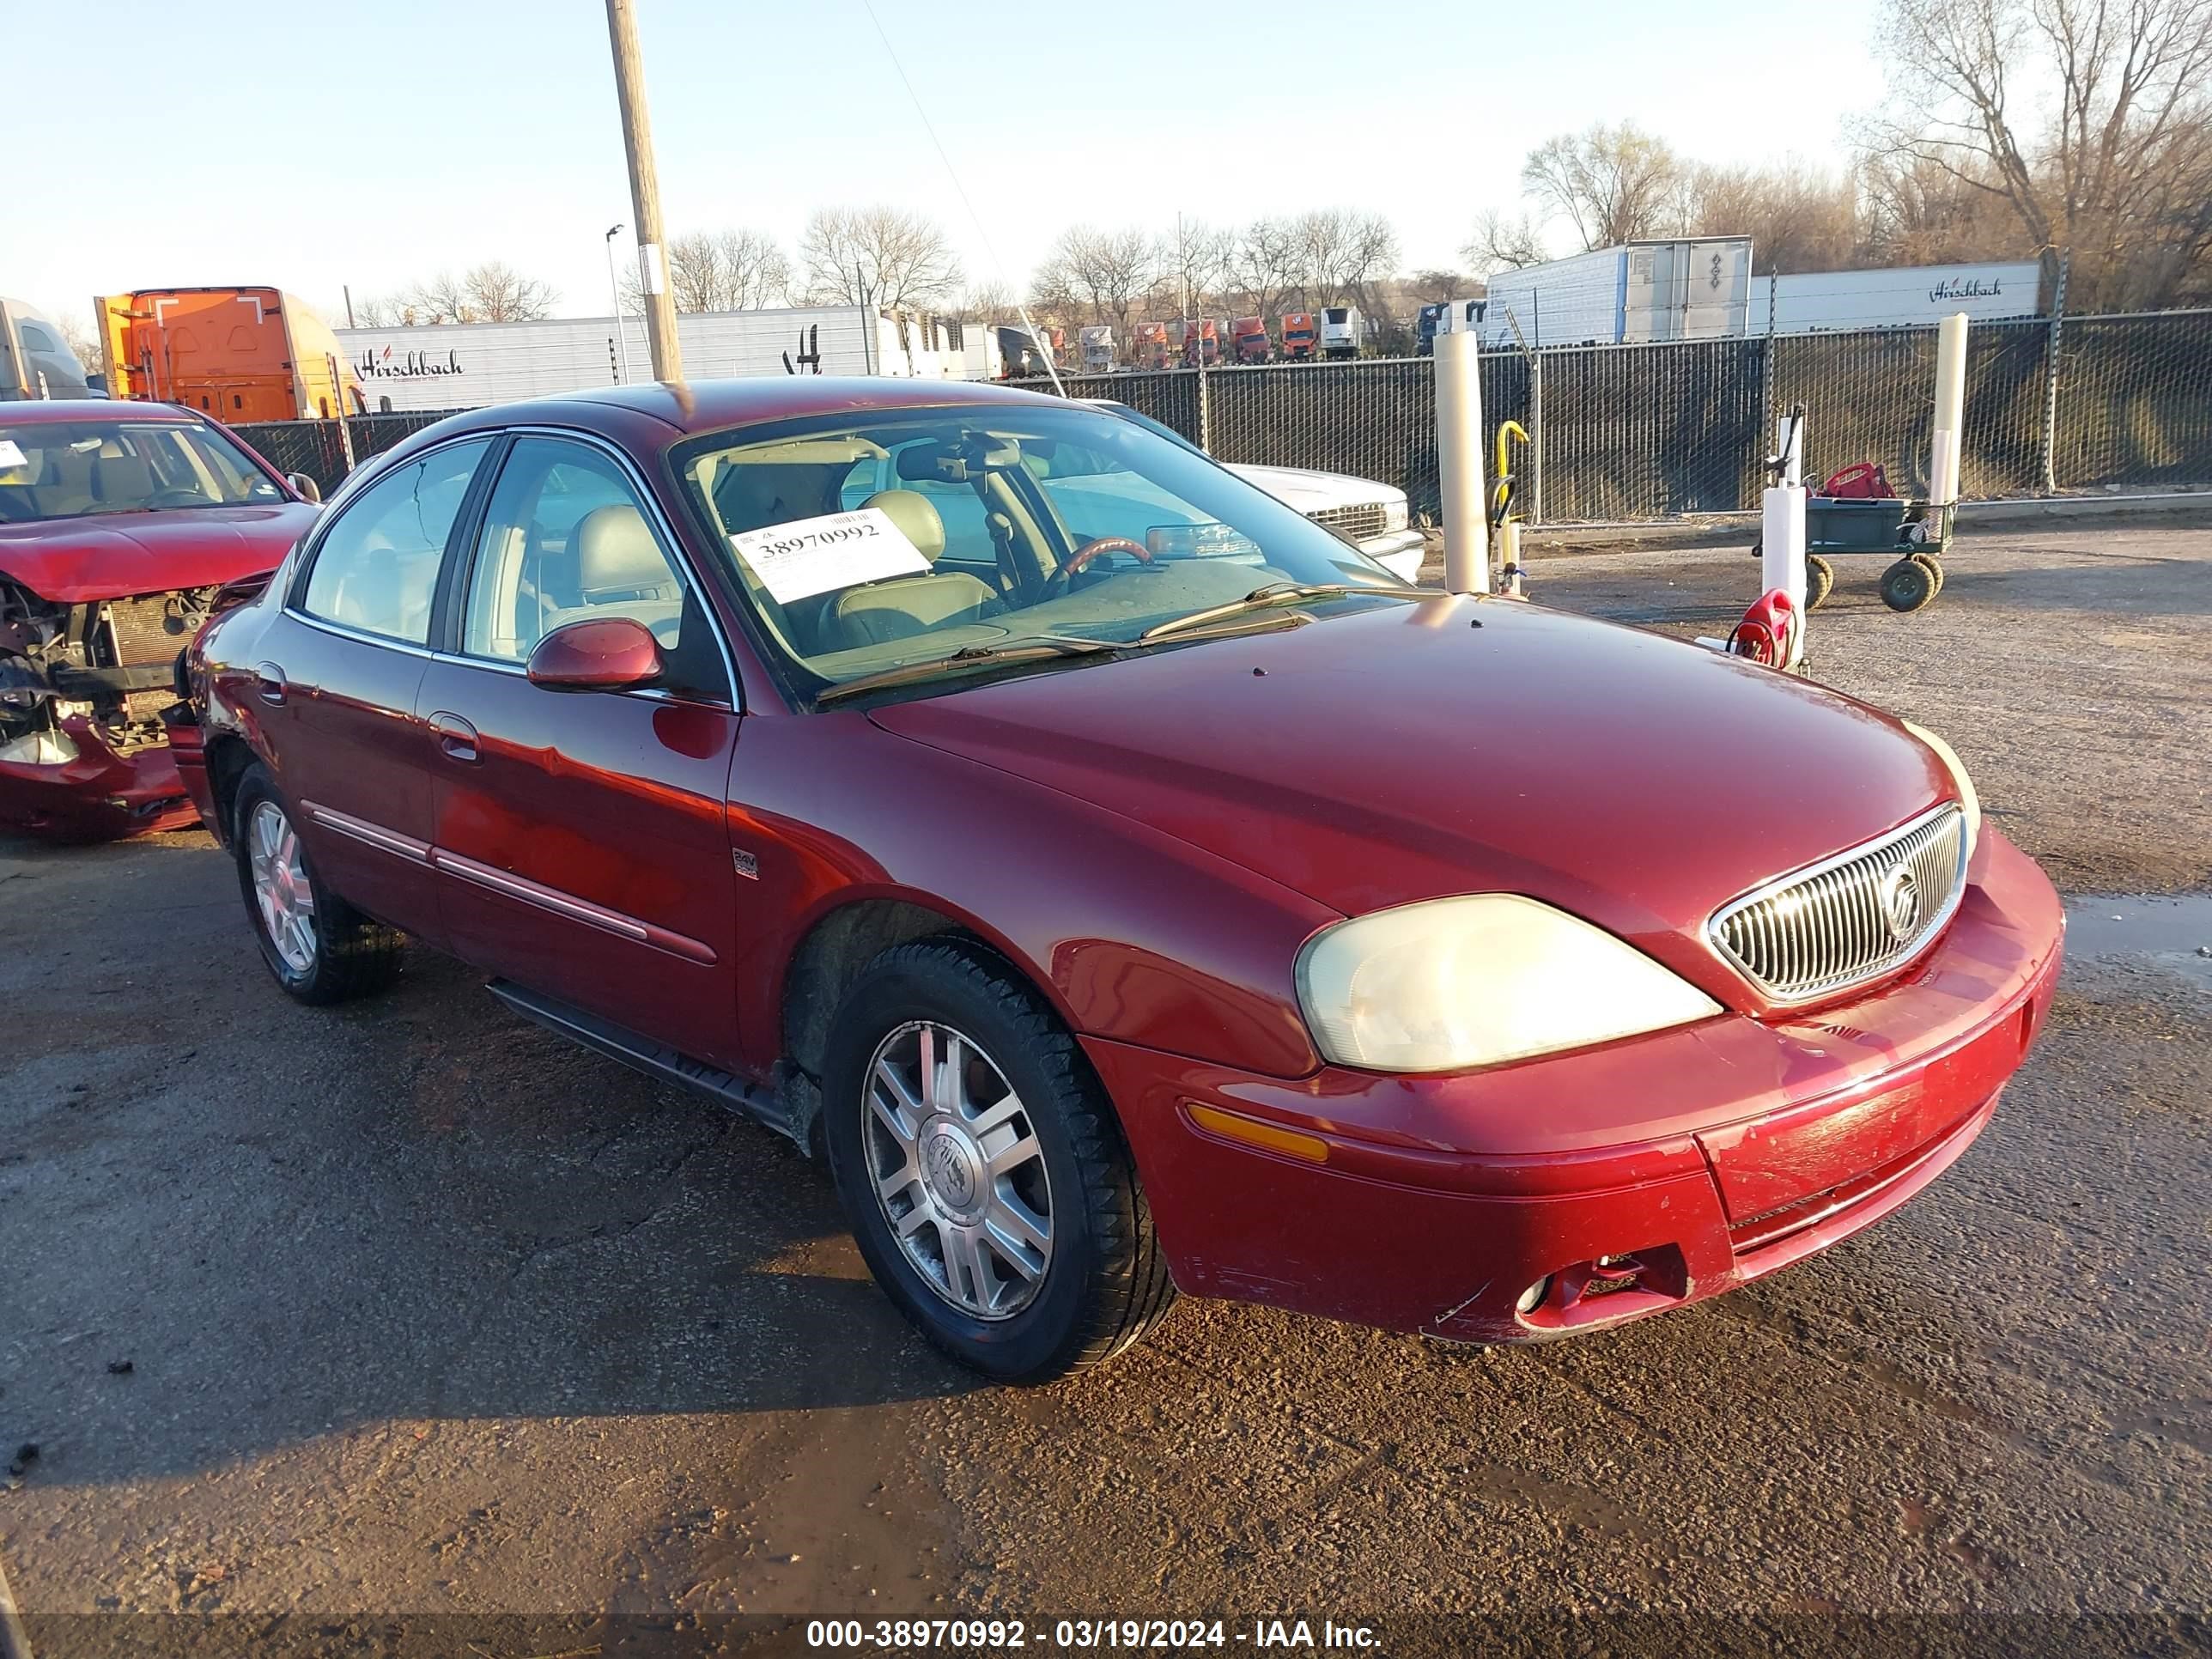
(600, 654)
(303, 486)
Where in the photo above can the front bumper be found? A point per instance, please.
(98, 794)
(1560, 1195)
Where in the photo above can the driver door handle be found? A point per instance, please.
(269, 683)
(455, 736)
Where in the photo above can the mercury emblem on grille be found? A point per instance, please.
(1899, 897)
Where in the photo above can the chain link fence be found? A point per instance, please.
(2135, 402)
(318, 448)
(1632, 432)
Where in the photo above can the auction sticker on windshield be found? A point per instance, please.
(806, 556)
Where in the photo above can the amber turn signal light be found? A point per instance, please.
(1253, 1132)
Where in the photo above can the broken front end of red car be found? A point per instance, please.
(83, 754)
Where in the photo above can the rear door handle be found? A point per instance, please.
(269, 683)
(455, 735)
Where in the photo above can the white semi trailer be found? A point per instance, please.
(469, 365)
(1641, 291)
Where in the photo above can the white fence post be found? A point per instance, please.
(1459, 464)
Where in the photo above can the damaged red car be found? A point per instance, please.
(1123, 883)
(119, 524)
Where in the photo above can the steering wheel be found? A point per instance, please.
(1079, 561)
(176, 495)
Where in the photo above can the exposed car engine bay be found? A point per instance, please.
(102, 670)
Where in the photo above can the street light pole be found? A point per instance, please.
(645, 192)
(614, 287)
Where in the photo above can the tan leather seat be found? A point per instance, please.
(615, 558)
(620, 571)
(902, 606)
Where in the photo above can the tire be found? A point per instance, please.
(1101, 1283)
(332, 952)
(1819, 581)
(1933, 566)
(1907, 585)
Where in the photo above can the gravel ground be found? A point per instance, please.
(430, 1319)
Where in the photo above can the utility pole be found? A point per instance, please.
(659, 305)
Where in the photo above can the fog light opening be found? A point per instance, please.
(1533, 1297)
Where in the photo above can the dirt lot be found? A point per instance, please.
(429, 1317)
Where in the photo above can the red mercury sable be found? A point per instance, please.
(1122, 882)
(119, 523)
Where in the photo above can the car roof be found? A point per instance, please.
(38, 411)
(711, 405)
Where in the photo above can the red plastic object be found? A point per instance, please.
(1767, 630)
(1864, 482)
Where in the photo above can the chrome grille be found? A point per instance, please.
(1362, 522)
(1851, 918)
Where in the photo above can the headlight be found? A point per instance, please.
(1393, 514)
(1969, 802)
(1454, 982)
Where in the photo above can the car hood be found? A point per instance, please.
(1458, 745)
(1309, 492)
(119, 556)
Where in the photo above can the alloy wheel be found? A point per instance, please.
(958, 1170)
(281, 886)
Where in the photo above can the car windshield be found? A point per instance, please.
(893, 541)
(80, 469)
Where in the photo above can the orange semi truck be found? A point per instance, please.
(241, 353)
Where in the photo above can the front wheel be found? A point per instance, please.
(319, 947)
(981, 1168)
(1907, 585)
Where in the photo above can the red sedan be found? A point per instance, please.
(120, 524)
(1118, 907)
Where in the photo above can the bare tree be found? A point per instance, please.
(378, 311)
(1431, 286)
(2090, 120)
(720, 271)
(985, 302)
(1613, 184)
(1197, 262)
(489, 293)
(1263, 264)
(80, 337)
(1105, 272)
(1504, 244)
(882, 255)
(442, 299)
(1798, 217)
(497, 292)
(1341, 255)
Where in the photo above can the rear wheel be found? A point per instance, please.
(1907, 585)
(1819, 580)
(1933, 567)
(981, 1168)
(319, 947)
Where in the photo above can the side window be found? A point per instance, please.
(565, 539)
(377, 566)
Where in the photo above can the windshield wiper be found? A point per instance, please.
(1275, 593)
(1030, 647)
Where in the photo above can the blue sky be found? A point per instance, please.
(385, 143)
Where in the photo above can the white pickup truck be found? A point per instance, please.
(1370, 515)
